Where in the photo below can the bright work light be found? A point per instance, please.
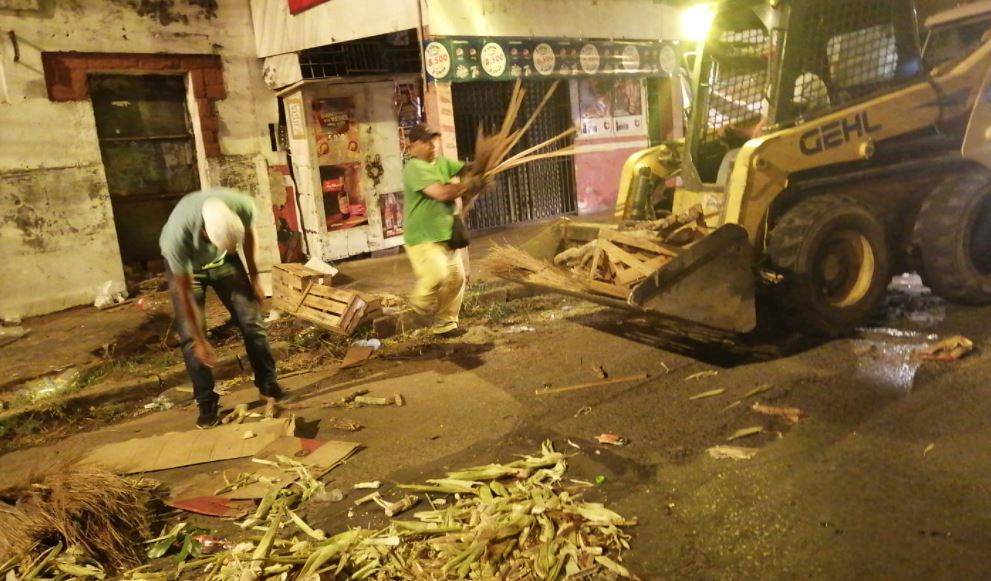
(696, 21)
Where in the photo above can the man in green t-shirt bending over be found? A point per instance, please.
(428, 228)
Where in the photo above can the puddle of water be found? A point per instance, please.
(888, 355)
(887, 363)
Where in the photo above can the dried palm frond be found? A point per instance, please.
(491, 151)
(102, 514)
(515, 264)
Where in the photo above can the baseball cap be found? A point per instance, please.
(422, 132)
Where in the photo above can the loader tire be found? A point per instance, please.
(833, 256)
(953, 236)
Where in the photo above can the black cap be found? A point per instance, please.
(422, 133)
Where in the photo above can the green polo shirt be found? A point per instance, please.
(183, 244)
(426, 219)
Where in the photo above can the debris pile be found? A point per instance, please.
(516, 521)
(613, 263)
(77, 521)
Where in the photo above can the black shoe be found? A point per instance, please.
(453, 333)
(208, 415)
(273, 391)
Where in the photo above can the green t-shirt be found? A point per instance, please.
(426, 219)
(182, 242)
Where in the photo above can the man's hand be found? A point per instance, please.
(477, 184)
(256, 288)
(204, 352)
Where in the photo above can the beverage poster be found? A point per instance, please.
(336, 131)
(627, 108)
(595, 98)
(391, 206)
(611, 107)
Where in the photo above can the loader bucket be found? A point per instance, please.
(710, 283)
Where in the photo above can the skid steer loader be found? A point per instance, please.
(827, 151)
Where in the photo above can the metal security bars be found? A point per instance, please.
(850, 50)
(736, 90)
(386, 54)
(534, 191)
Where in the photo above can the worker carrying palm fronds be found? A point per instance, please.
(434, 230)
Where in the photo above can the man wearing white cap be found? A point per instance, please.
(199, 243)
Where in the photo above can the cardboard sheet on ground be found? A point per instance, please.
(177, 449)
(356, 356)
(214, 506)
(319, 457)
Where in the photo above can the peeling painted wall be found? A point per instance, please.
(57, 236)
(278, 32)
(619, 19)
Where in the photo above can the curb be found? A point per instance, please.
(128, 390)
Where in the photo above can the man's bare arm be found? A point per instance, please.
(444, 192)
(201, 348)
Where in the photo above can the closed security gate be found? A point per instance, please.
(537, 190)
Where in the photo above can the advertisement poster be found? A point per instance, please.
(297, 6)
(627, 108)
(611, 107)
(595, 98)
(335, 130)
(391, 206)
(467, 66)
(409, 112)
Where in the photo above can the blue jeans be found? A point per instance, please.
(230, 282)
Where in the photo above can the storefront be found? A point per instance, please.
(352, 73)
(605, 92)
(347, 143)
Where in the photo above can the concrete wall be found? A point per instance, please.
(277, 31)
(57, 238)
(621, 19)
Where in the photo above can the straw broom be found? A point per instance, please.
(492, 151)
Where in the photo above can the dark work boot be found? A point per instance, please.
(208, 415)
(273, 391)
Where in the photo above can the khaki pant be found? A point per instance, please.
(440, 283)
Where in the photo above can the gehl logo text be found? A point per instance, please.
(836, 133)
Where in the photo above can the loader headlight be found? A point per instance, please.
(696, 22)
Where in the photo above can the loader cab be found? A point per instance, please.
(769, 65)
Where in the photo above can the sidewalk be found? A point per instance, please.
(80, 336)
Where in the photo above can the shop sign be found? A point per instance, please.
(631, 58)
(589, 59)
(493, 59)
(544, 59)
(437, 60)
(668, 59)
(500, 59)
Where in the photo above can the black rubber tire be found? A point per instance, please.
(806, 242)
(953, 237)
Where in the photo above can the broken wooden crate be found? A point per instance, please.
(307, 294)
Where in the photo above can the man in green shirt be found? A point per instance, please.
(199, 243)
(430, 209)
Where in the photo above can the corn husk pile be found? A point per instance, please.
(492, 151)
(611, 265)
(516, 521)
(73, 521)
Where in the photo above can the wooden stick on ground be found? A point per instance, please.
(628, 378)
